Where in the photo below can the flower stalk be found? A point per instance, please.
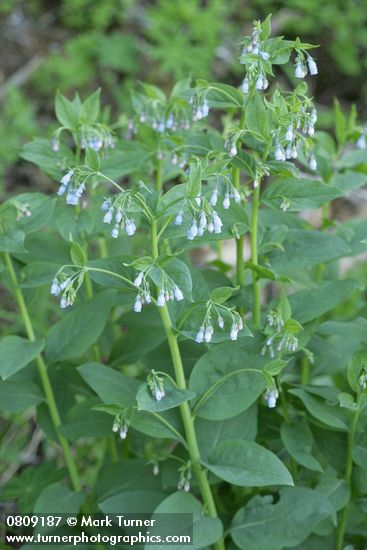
(185, 410)
(42, 370)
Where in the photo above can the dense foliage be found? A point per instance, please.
(83, 44)
(172, 380)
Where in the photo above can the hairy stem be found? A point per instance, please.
(45, 380)
(343, 517)
(185, 409)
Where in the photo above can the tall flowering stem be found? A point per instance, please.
(254, 256)
(342, 522)
(186, 413)
(42, 370)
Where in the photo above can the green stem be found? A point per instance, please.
(325, 216)
(342, 523)
(254, 256)
(240, 264)
(305, 370)
(45, 380)
(112, 448)
(89, 291)
(103, 252)
(189, 427)
(159, 174)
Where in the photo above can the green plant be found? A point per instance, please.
(236, 388)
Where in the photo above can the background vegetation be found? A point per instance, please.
(82, 44)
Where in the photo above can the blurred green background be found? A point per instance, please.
(83, 44)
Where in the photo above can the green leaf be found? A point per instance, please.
(257, 116)
(266, 27)
(311, 304)
(328, 414)
(335, 489)
(90, 107)
(19, 393)
(92, 159)
(75, 333)
(126, 475)
(223, 95)
(223, 386)
(58, 498)
(173, 398)
(12, 241)
(353, 159)
(301, 194)
(355, 329)
(66, 112)
(263, 525)
(193, 185)
(38, 274)
(357, 363)
(39, 152)
(78, 254)
(222, 294)
(41, 208)
(304, 249)
(27, 485)
(163, 425)
(298, 440)
(273, 368)
(247, 464)
(212, 432)
(349, 181)
(179, 272)
(16, 353)
(133, 502)
(71, 222)
(83, 421)
(205, 530)
(266, 273)
(113, 387)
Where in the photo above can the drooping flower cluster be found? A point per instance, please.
(253, 56)
(278, 337)
(200, 106)
(96, 136)
(66, 286)
(230, 193)
(162, 116)
(156, 385)
(291, 135)
(271, 396)
(230, 143)
(202, 217)
(121, 425)
(167, 290)
(73, 184)
(260, 172)
(117, 210)
(22, 208)
(206, 330)
(185, 477)
(304, 64)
